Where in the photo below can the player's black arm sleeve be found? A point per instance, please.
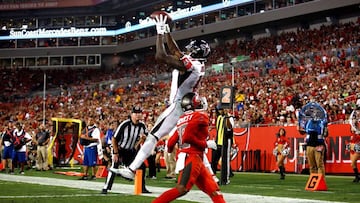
(164, 57)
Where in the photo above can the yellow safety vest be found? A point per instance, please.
(220, 129)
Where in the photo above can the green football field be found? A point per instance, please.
(340, 188)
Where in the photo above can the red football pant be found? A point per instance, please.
(194, 173)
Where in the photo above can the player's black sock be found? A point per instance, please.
(356, 171)
(282, 172)
(357, 178)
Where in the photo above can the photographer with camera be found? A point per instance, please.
(20, 138)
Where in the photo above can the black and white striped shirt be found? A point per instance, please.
(128, 133)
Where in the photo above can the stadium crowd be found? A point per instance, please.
(323, 67)
(283, 73)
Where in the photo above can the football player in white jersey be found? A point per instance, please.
(189, 67)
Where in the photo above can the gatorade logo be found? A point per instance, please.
(312, 182)
(316, 182)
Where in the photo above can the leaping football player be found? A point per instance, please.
(189, 67)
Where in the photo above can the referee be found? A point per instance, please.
(125, 144)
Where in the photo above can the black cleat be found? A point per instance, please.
(83, 178)
(145, 191)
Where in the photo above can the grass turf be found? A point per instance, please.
(340, 188)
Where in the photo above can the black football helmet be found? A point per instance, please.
(198, 49)
(191, 101)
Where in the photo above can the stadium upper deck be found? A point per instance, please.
(81, 36)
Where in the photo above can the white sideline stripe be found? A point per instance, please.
(54, 196)
(193, 195)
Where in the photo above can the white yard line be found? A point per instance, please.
(193, 195)
(53, 196)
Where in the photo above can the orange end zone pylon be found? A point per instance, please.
(138, 182)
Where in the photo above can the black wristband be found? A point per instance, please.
(116, 153)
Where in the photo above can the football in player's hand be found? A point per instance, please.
(163, 13)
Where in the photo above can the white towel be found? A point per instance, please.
(180, 163)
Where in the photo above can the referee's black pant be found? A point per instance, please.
(215, 157)
(125, 158)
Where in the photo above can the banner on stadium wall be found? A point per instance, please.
(240, 58)
(48, 4)
(256, 145)
(217, 67)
